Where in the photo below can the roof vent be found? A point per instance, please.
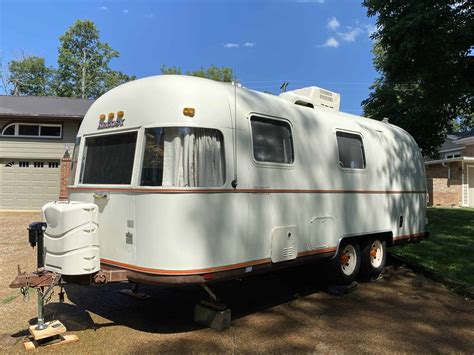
(314, 96)
(297, 99)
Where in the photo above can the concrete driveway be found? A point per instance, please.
(281, 312)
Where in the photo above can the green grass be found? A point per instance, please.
(450, 248)
(8, 299)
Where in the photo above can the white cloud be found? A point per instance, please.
(103, 8)
(125, 11)
(351, 35)
(331, 42)
(249, 44)
(333, 23)
(231, 45)
(150, 16)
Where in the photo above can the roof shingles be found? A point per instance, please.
(43, 106)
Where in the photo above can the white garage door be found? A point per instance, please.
(27, 184)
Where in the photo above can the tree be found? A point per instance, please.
(170, 70)
(422, 51)
(225, 74)
(83, 63)
(30, 76)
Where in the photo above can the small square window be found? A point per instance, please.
(50, 131)
(351, 150)
(272, 141)
(28, 130)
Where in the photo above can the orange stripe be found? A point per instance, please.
(406, 236)
(317, 251)
(206, 270)
(258, 191)
(184, 272)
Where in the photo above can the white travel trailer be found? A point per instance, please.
(184, 180)
(188, 180)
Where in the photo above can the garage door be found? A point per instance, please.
(28, 184)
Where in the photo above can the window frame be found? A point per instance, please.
(272, 164)
(141, 158)
(16, 134)
(364, 155)
(80, 160)
(452, 155)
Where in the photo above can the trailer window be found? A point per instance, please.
(183, 156)
(272, 140)
(351, 150)
(109, 159)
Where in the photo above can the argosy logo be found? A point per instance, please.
(111, 124)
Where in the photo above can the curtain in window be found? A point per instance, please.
(193, 157)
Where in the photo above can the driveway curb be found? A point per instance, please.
(459, 287)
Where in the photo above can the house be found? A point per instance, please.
(35, 132)
(450, 175)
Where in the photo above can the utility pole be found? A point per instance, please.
(83, 72)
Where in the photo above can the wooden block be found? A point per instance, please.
(55, 327)
(31, 344)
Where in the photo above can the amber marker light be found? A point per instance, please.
(120, 114)
(102, 116)
(111, 115)
(189, 111)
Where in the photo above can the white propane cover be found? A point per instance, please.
(71, 239)
(284, 244)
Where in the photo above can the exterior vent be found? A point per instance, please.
(304, 103)
(313, 96)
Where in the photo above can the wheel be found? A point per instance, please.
(374, 255)
(344, 268)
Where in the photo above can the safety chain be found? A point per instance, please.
(25, 291)
(53, 280)
(49, 297)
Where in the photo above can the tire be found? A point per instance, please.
(345, 266)
(374, 256)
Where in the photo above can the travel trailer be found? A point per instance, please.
(184, 180)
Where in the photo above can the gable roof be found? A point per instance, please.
(43, 106)
(452, 140)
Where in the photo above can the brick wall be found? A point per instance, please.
(468, 151)
(444, 191)
(64, 179)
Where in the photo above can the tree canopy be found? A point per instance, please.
(30, 76)
(83, 63)
(83, 68)
(422, 50)
(225, 74)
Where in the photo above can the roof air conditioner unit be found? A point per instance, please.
(317, 96)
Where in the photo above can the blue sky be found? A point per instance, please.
(306, 42)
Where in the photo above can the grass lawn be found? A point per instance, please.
(450, 248)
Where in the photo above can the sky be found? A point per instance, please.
(321, 43)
